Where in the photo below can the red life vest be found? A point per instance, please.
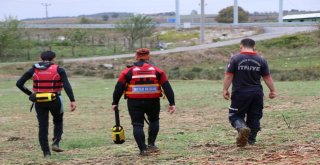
(144, 83)
(47, 80)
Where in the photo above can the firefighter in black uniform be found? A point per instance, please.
(48, 79)
(244, 72)
(143, 84)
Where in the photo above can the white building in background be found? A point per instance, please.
(314, 17)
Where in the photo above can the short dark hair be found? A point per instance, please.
(248, 43)
(47, 55)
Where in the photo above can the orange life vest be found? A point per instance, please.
(144, 83)
(47, 80)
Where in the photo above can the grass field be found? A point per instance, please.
(198, 133)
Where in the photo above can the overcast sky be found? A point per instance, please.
(22, 9)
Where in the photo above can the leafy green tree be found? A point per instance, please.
(115, 15)
(10, 37)
(226, 15)
(28, 44)
(105, 17)
(135, 28)
(85, 20)
(76, 38)
(194, 12)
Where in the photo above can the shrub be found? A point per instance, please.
(196, 69)
(216, 39)
(79, 72)
(293, 41)
(296, 74)
(174, 73)
(61, 43)
(89, 73)
(188, 76)
(211, 74)
(108, 75)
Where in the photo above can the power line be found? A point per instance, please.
(46, 6)
(293, 4)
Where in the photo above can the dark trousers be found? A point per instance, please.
(247, 105)
(137, 109)
(42, 110)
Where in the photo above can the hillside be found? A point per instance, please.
(294, 57)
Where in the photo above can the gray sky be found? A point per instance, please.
(33, 8)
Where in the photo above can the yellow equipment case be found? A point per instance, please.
(117, 130)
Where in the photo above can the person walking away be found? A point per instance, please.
(48, 79)
(244, 71)
(142, 86)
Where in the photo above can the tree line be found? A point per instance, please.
(18, 43)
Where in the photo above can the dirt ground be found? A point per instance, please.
(282, 154)
(289, 152)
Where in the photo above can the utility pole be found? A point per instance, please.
(177, 15)
(46, 6)
(202, 20)
(235, 12)
(280, 11)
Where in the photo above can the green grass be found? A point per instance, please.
(174, 36)
(290, 58)
(197, 133)
(292, 52)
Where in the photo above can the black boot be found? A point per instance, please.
(55, 145)
(143, 153)
(140, 139)
(143, 150)
(44, 146)
(243, 132)
(46, 154)
(152, 136)
(252, 137)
